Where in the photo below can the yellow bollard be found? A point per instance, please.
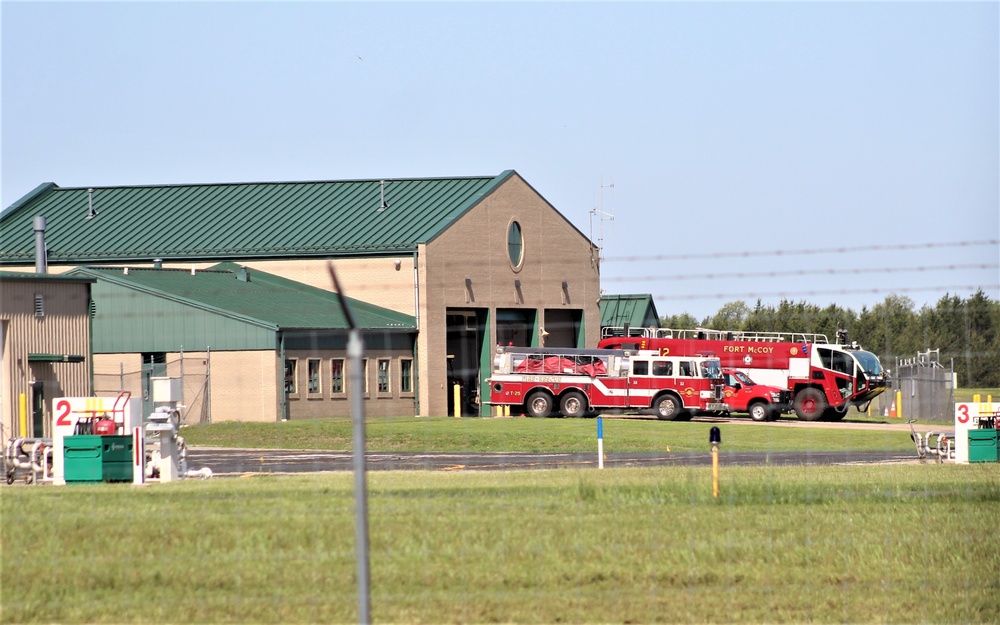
(976, 398)
(715, 439)
(22, 406)
(899, 404)
(458, 401)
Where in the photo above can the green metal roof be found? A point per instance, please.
(265, 300)
(638, 311)
(41, 277)
(237, 221)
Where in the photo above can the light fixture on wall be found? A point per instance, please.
(565, 292)
(518, 296)
(470, 296)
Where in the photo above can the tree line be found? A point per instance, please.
(965, 330)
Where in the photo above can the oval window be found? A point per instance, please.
(515, 244)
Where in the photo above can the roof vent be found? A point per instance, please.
(41, 253)
(383, 205)
(91, 213)
(243, 275)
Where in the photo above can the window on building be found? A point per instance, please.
(314, 376)
(515, 244)
(337, 375)
(291, 387)
(364, 369)
(406, 375)
(383, 375)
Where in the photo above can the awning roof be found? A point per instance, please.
(55, 358)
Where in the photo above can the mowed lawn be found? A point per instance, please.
(913, 543)
(634, 434)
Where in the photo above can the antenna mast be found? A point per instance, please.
(603, 216)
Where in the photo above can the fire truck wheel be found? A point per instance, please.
(810, 404)
(573, 405)
(539, 404)
(759, 411)
(832, 414)
(668, 407)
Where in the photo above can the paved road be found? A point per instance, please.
(236, 462)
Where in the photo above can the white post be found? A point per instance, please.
(138, 455)
(600, 443)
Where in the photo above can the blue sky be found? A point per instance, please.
(737, 135)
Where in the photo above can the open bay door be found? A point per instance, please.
(468, 330)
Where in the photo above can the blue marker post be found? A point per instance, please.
(600, 443)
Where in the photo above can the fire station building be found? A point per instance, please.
(235, 281)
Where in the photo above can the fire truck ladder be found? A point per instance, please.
(714, 335)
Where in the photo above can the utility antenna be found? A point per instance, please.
(602, 216)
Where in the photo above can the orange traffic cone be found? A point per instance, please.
(892, 409)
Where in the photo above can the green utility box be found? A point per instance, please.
(983, 445)
(92, 458)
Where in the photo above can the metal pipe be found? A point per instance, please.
(41, 256)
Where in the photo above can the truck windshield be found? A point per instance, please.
(711, 369)
(742, 377)
(868, 362)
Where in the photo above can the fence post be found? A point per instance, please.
(208, 382)
(184, 403)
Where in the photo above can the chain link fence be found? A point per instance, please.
(922, 388)
(193, 371)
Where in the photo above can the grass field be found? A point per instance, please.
(967, 394)
(901, 543)
(546, 435)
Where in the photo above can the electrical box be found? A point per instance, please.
(166, 390)
(92, 458)
(983, 445)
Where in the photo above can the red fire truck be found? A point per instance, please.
(579, 382)
(824, 379)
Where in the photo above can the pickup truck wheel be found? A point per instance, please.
(760, 411)
(539, 404)
(573, 404)
(668, 408)
(810, 404)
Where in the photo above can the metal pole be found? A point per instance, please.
(355, 352)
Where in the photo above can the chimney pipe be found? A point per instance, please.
(41, 254)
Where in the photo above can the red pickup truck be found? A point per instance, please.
(763, 403)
